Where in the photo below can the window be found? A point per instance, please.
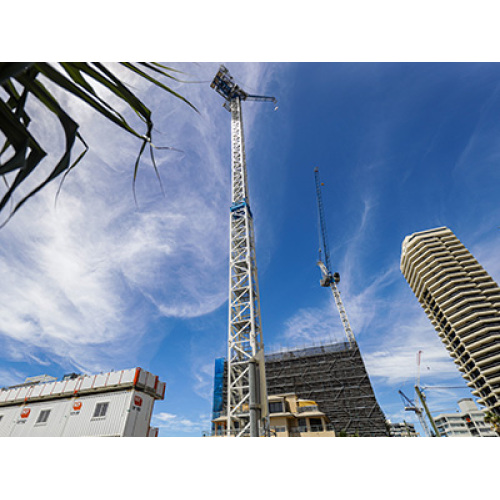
(100, 410)
(276, 407)
(316, 424)
(302, 409)
(43, 417)
(278, 429)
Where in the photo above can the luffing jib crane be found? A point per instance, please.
(329, 279)
(246, 380)
(411, 406)
(421, 396)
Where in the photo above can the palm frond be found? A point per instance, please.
(78, 79)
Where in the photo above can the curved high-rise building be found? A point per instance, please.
(463, 303)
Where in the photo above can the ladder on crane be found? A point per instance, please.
(246, 381)
(328, 279)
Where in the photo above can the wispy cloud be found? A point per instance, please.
(100, 267)
(81, 280)
(388, 324)
(170, 422)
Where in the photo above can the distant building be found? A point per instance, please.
(466, 423)
(333, 375)
(404, 429)
(290, 416)
(118, 403)
(463, 304)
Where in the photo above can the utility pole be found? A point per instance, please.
(421, 396)
(246, 381)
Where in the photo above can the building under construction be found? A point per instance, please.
(333, 375)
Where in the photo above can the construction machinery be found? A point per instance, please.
(411, 406)
(246, 382)
(419, 391)
(329, 279)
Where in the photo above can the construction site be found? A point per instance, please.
(332, 379)
(332, 375)
(320, 390)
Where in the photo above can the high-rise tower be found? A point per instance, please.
(463, 303)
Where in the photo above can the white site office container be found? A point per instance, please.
(108, 404)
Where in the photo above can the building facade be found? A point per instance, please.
(463, 304)
(290, 416)
(468, 422)
(332, 375)
(118, 403)
(404, 429)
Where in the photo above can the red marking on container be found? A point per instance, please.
(77, 387)
(136, 378)
(28, 394)
(25, 413)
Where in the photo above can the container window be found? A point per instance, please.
(43, 417)
(100, 410)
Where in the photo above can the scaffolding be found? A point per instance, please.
(333, 375)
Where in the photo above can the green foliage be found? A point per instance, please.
(23, 152)
(343, 433)
(494, 421)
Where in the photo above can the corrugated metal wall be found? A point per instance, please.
(128, 414)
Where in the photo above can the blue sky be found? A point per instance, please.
(93, 282)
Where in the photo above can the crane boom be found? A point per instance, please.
(246, 381)
(411, 406)
(328, 279)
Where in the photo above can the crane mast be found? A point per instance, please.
(328, 279)
(246, 382)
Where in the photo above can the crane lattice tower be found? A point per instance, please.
(246, 381)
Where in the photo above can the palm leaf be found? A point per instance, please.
(78, 79)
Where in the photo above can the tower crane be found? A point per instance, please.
(328, 279)
(411, 406)
(246, 382)
(421, 395)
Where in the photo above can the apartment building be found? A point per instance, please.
(402, 429)
(290, 416)
(468, 422)
(463, 304)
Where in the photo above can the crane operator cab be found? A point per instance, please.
(327, 279)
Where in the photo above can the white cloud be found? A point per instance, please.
(174, 423)
(81, 280)
(10, 377)
(389, 325)
(203, 374)
(165, 417)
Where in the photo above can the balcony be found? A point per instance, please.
(312, 431)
